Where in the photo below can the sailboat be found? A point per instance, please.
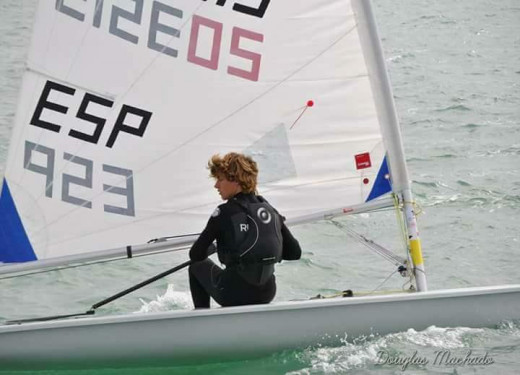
(122, 104)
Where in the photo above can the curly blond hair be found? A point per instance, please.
(235, 167)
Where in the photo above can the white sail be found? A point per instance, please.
(118, 114)
(124, 101)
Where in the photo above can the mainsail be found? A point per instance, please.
(124, 101)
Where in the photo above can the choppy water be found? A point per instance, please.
(455, 68)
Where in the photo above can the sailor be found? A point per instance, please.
(251, 237)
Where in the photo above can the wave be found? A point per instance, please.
(367, 352)
(432, 345)
(477, 199)
(472, 126)
(455, 107)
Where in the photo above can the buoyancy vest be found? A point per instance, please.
(257, 241)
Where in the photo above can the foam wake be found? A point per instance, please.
(170, 300)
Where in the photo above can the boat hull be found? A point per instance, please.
(182, 337)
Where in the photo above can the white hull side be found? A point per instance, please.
(180, 337)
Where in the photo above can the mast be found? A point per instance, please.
(389, 122)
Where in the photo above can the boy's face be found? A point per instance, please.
(227, 189)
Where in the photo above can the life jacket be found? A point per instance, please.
(257, 241)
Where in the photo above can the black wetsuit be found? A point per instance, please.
(229, 286)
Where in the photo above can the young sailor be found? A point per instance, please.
(251, 237)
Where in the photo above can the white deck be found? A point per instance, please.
(180, 337)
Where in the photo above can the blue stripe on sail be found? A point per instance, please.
(14, 243)
(382, 185)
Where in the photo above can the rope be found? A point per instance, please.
(417, 209)
(350, 293)
(384, 281)
(378, 249)
(382, 251)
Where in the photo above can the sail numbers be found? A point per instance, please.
(244, 9)
(160, 25)
(127, 113)
(78, 174)
(42, 160)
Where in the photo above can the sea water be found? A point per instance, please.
(455, 70)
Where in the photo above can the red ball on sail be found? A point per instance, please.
(310, 103)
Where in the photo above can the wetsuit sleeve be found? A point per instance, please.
(199, 250)
(291, 247)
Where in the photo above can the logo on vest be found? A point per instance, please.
(264, 215)
(244, 227)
